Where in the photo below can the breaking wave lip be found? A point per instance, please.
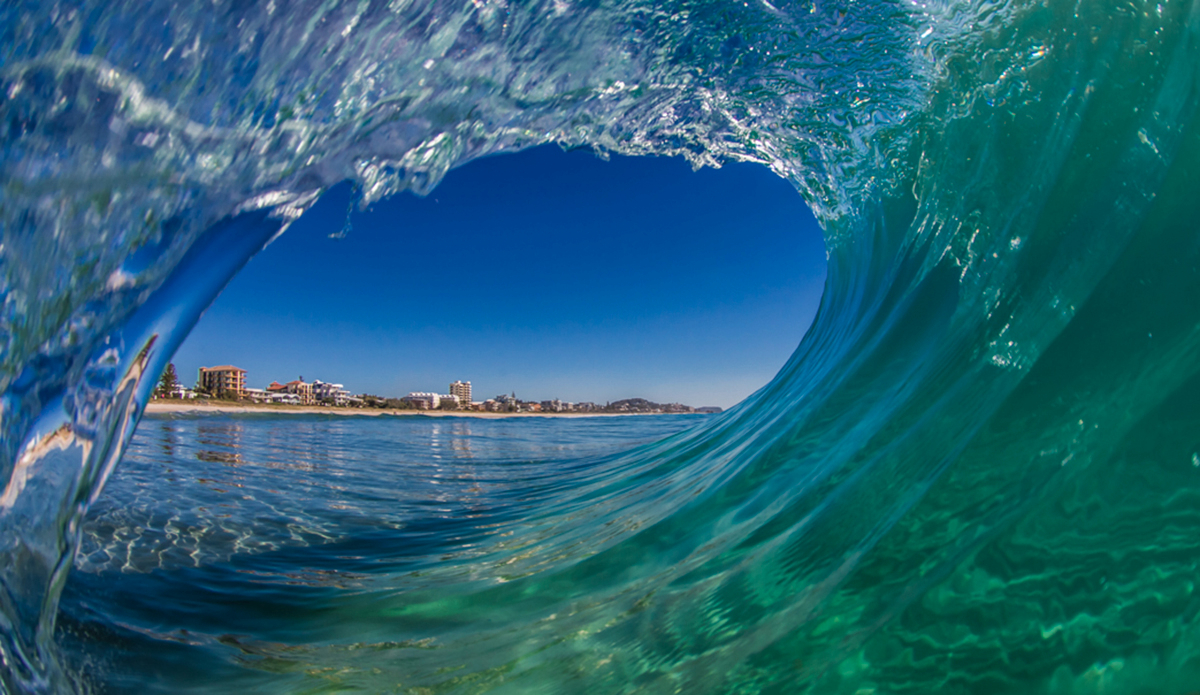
(947, 487)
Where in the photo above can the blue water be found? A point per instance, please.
(977, 474)
(250, 530)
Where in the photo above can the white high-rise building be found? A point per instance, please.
(462, 389)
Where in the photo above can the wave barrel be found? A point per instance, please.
(978, 473)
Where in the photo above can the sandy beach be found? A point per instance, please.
(180, 407)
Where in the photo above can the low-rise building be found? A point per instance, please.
(423, 400)
(432, 401)
(333, 394)
(181, 392)
(284, 398)
(302, 391)
(255, 395)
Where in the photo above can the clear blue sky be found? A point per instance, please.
(546, 273)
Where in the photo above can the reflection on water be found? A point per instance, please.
(167, 439)
(226, 437)
(197, 490)
(218, 529)
(457, 437)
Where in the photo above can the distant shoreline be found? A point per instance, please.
(176, 407)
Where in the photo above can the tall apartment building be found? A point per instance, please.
(462, 389)
(225, 381)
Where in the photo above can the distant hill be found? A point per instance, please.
(641, 405)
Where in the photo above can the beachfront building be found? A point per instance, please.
(334, 394)
(423, 400)
(255, 395)
(225, 381)
(295, 392)
(462, 389)
(278, 393)
(502, 403)
(432, 401)
(181, 392)
(282, 397)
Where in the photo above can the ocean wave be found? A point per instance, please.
(976, 474)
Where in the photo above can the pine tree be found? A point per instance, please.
(167, 382)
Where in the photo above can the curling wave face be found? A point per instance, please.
(978, 472)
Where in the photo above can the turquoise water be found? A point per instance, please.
(977, 474)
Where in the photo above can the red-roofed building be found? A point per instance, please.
(302, 390)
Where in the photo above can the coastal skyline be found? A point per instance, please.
(227, 384)
(525, 274)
